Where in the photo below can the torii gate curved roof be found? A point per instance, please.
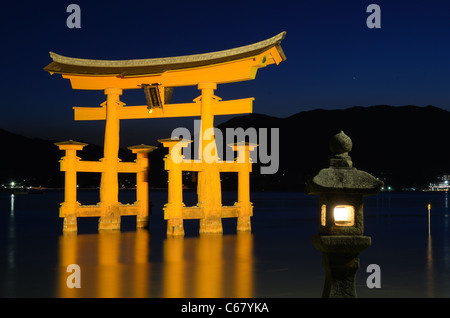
(244, 60)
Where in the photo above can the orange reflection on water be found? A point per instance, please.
(429, 269)
(211, 265)
(112, 264)
(115, 264)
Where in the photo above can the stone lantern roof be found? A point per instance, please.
(341, 176)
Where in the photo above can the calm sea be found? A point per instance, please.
(276, 260)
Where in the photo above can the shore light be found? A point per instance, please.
(341, 189)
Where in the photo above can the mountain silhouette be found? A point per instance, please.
(405, 146)
(35, 162)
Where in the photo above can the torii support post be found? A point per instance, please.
(109, 187)
(208, 187)
(142, 152)
(69, 206)
(173, 210)
(246, 208)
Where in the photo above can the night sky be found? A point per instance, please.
(333, 59)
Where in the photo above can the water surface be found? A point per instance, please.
(276, 260)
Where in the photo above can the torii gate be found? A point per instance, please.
(157, 75)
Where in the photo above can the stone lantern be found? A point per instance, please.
(341, 189)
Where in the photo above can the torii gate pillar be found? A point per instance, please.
(208, 188)
(109, 186)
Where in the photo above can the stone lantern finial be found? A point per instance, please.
(340, 145)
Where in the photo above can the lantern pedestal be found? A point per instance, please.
(340, 259)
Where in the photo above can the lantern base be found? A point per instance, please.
(340, 259)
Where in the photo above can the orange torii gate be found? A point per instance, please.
(158, 77)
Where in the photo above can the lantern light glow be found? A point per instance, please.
(344, 215)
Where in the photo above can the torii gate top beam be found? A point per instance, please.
(233, 65)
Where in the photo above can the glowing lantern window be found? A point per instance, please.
(344, 215)
(323, 215)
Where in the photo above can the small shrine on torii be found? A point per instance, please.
(157, 77)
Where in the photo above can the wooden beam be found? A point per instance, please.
(129, 209)
(193, 212)
(128, 167)
(90, 113)
(230, 211)
(231, 107)
(88, 210)
(96, 210)
(90, 166)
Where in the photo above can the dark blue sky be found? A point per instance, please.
(333, 59)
